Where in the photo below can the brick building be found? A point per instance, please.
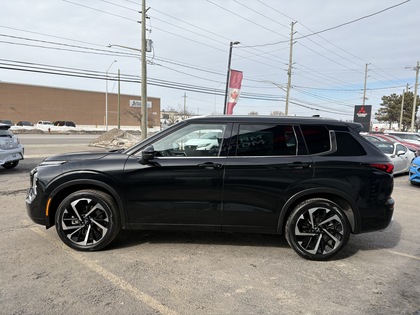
(33, 103)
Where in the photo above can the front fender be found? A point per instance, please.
(68, 184)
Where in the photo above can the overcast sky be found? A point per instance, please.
(191, 47)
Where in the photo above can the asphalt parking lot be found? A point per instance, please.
(204, 273)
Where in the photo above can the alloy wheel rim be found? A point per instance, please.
(319, 230)
(85, 222)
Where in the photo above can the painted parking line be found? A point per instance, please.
(117, 281)
(402, 254)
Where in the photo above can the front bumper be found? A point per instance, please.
(414, 174)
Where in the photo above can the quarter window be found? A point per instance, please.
(347, 145)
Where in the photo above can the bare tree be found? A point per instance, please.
(277, 113)
(253, 113)
(136, 114)
(184, 112)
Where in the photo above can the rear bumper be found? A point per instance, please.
(376, 219)
(11, 155)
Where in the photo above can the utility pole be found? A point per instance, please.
(143, 72)
(413, 117)
(119, 105)
(402, 108)
(364, 88)
(185, 104)
(289, 71)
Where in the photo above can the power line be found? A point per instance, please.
(337, 26)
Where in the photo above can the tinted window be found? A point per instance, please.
(347, 145)
(317, 138)
(265, 140)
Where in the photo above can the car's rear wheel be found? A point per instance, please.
(87, 220)
(317, 229)
(10, 165)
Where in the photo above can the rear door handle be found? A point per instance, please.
(298, 165)
(210, 165)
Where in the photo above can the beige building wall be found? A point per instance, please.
(33, 103)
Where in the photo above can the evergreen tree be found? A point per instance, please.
(390, 110)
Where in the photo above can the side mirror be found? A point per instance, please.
(147, 154)
(401, 152)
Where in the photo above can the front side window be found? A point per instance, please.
(266, 140)
(401, 148)
(192, 140)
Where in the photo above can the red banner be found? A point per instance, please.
(235, 82)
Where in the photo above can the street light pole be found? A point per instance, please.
(106, 95)
(228, 75)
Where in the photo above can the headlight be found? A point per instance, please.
(31, 194)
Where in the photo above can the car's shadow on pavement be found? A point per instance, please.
(386, 239)
(135, 238)
(24, 167)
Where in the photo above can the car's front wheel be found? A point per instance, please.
(10, 165)
(317, 229)
(87, 220)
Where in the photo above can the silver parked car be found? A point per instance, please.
(400, 155)
(11, 151)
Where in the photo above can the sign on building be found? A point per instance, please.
(362, 115)
(136, 103)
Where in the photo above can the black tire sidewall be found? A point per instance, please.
(10, 165)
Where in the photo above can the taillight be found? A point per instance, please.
(386, 167)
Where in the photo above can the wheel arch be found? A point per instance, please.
(63, 190)
(345, 202)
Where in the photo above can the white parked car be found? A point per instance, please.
(44, 123)
(400, 155)
(11, 151)
(412, 137)
(207, 141)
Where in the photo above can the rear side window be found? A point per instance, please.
(5, 133)
(317, 138)
(265, 140)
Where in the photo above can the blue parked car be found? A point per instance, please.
(414, 174)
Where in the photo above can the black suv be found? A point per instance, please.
(314, 180)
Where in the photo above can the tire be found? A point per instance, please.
(10, 165)
(87, 220)
(317, 229)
